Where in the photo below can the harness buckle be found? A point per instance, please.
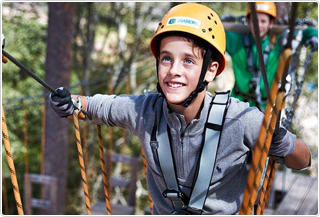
(173, 194)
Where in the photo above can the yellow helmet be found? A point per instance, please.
(198, 20)
(264, 7)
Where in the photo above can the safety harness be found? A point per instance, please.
(160, 143)
(255, 72)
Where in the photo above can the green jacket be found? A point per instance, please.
(236, 49)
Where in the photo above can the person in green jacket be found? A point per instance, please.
(249, 85)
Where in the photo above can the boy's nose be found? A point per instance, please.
(175, 69)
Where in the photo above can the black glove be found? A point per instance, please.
(282, 144)
(313, 42)
(61, 104)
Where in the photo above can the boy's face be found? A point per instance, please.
(265, 24)
(180, 64)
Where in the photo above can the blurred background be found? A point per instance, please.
(101, 47)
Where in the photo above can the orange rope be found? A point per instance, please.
(81, 161)
(261, 149)
(144, 161)
(104, 173)
(110, 159)
(85, 144)
(267, 183)
(12, 170)
(85, 151)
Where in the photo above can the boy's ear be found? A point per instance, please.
(212, 71)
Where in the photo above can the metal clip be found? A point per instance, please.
(78, 104)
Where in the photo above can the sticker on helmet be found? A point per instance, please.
(262, 7)
(186, 21)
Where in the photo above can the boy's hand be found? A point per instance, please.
(282, 143)
(313, 42)
(61, 104)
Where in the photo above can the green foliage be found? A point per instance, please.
(26, 41)
(308, 10)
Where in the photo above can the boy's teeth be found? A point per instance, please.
(175, 85)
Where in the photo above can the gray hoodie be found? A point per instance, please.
(239, 135)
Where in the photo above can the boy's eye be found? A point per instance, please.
(166, 59)
(188, 61)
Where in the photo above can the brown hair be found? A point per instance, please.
(272, 36)
(196, 41)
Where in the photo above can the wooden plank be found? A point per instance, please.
(41, 179)
(99, 208)
(290, 203)
(284, 180)
(243, 28)
(40, 204)
(268, 211)
(48, 204)
(309, 205)
(121, 182)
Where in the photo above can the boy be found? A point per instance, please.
(249, 85)
(189, 49)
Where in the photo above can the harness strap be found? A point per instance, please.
(255, 72)
(266, 52)
(247, 45)
(167, 166)
(213, 128)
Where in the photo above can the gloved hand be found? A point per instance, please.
(61, 104)
(313, 42)
(282, 144)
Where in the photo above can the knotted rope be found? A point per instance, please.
(12, 170)
(81, 161)
(261, 149)
(104, 173)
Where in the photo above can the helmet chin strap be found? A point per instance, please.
(201, 83)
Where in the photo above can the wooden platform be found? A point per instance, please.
(300, 194)
(99, 208)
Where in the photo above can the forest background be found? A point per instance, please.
(99, 47)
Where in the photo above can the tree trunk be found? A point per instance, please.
(58, 66)
(283, 9)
